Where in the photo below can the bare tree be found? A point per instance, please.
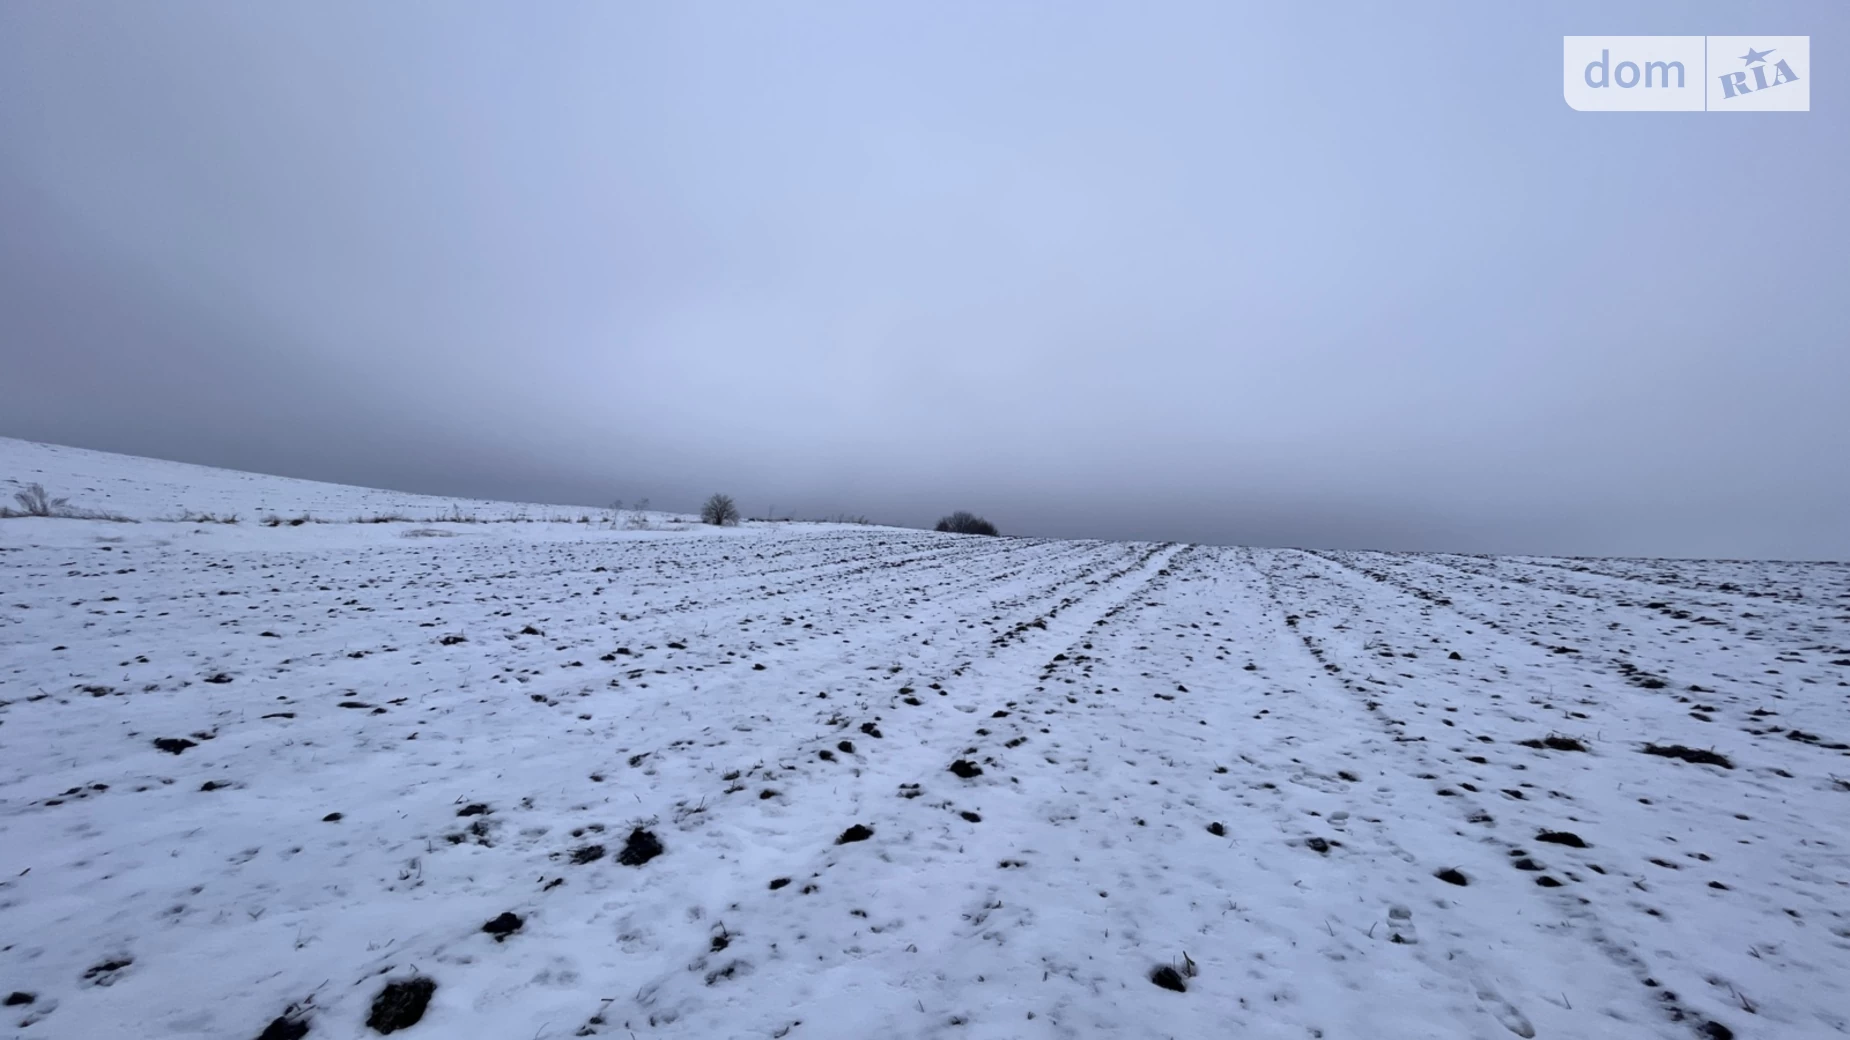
(962, 522)
(719, 511)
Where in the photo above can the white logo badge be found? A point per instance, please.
(1687, 73)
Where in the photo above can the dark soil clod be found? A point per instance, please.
(1568, 838)
(640, 848)
(777, 883)
(17, 998)
(401, 1004)
(1318, 845)
(332, 817)
(1169, 978)
(972, 817)
(587, 854)
(966, 769)
(1555, 742)
(1452, 876)
(173, 745)
(1689, 754)
(854, 833)
(473, 809)
(502, 927)
(285, 1027)
(1817, 741)
(1217, 829)
(104, 973)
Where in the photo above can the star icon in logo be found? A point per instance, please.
(1754, 57)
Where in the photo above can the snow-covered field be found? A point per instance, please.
(880, 783)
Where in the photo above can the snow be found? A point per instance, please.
(151, 489)
(1119, 699)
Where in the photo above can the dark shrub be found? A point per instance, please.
(962, 522)
(36, 502)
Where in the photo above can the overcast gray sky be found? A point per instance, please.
(1346, 275)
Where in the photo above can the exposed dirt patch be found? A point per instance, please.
(1689, 754)
(105, 973)
(1568, 838)
(503, 926)
(290, 1025)
(1555, 742)
(401, 1004)
(639, 848)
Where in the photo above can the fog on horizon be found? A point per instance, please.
(1350, 276)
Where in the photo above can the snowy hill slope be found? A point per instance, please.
(151, 489)
(847, 782)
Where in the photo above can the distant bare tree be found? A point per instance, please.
(719, 511)
(962, 522)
